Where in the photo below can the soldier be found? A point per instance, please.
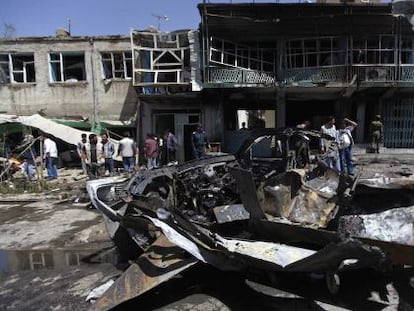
(376, 130)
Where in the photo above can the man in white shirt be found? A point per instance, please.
(127, 149)
(50, 155)
(329, 148)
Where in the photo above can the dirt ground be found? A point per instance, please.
(54, 250)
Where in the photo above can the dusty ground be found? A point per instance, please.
(50, 230)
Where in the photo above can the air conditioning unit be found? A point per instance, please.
(376, 74)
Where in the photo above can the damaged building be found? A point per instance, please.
(81, 81)
(310, 60)
(278, 64)
(168, 80)
(265, 64)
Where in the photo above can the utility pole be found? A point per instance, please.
(69, 24)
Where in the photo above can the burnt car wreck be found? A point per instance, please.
(272, 207)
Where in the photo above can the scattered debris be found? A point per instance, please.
(99, 291)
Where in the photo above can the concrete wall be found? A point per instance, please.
(110, 99)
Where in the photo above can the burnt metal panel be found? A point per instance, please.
(331, 258)
(399, 254)
(229, 213)
(247, 191)
(279, 230)
(161, 262)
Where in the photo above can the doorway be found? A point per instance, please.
(181, 125)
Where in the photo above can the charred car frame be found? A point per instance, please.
(272, 206)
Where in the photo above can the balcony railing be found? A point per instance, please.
(240, 76)
(342, 74)
(315, 75)
(406, 73)
(375, 73)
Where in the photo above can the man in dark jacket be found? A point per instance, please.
(199, 142)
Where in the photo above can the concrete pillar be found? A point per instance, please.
(280, 109)
(360, 119)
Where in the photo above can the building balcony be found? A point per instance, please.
(235, 77)
(367, 75)
(314, 75)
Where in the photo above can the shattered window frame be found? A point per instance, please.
(232, 54)
(407, 50)
(161, 59)
(314, 52)
(374, 49)
(17, 68)
(67, 67)
(116, 65)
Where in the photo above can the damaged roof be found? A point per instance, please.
(265, 21)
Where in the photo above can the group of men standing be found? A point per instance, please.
(163, 151)
(97, 156)
(337, 150)
(160, 151)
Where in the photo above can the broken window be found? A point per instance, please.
(17, 68)
(315, 52)
(67, 67)
(117, 65)
(377, 49)
(161, 59)
(236, 55)
(407, 50)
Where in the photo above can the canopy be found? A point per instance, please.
(65, 133)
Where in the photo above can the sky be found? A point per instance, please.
(33, 18)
